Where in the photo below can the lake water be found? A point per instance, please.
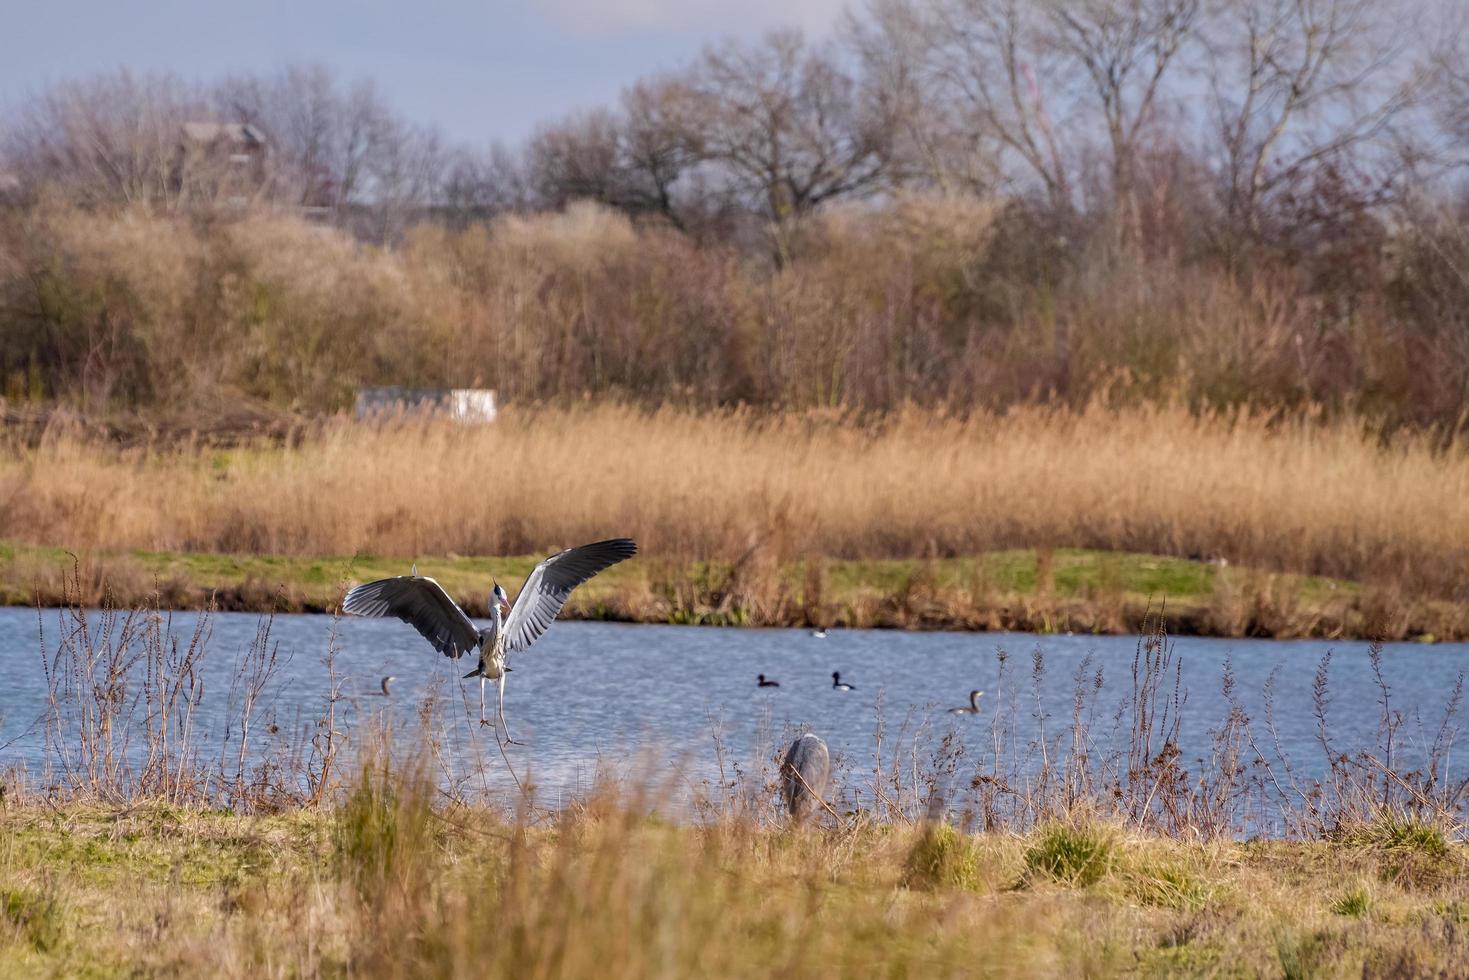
(596, 696)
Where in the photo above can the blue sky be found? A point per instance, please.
(481, 71)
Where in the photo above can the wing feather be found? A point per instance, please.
(550, 584)
(423, 604)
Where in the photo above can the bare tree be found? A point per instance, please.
(1124, 49)
(1043, 80)
(932, 141)
(1453, 97)
(577, 158)
(630, 160)
(481, 185)
(786, 126)
(407, 175)
(656, 145)
(986, 59)
(110, 139)
(325, 140)
(1302, 84)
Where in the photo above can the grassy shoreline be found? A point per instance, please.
(1046, 590)
(384, 885)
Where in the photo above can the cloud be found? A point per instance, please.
(815, 17)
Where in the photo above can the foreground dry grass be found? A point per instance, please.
(1289, 496)
(386, 886)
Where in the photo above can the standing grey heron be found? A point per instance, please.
(973, 708)
(423, 604)
(804, 774)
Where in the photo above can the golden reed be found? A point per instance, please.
(1297, 496)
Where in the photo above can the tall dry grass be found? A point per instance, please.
(1295, 496)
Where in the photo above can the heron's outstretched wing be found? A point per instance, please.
(423, 604)
(548, 587)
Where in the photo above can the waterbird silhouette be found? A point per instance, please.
(973, 708)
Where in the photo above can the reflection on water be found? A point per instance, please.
(593, 697)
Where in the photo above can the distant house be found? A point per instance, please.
(468, 405)
(221, 163)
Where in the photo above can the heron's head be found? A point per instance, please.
(500, 598)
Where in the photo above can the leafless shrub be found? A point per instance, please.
(124, 719)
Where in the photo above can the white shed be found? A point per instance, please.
(472, 406)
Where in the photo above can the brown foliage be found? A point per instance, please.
(935, 300)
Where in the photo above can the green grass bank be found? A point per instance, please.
(1037, 590)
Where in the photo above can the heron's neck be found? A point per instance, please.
(488, 638)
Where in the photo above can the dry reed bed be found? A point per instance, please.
(1297, 496)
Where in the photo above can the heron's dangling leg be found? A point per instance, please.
(482, 719)
(503, 725)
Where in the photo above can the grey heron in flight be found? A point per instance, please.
(423, 604)
(973, 708)
(804, 774)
